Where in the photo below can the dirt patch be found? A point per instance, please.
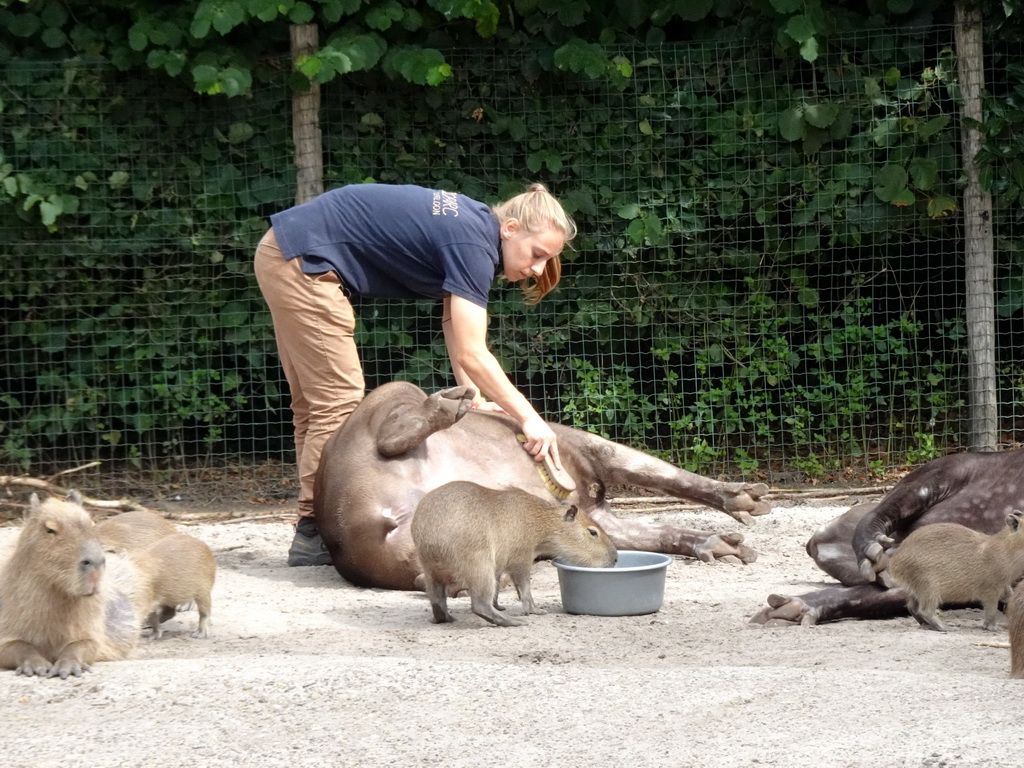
(304, 669)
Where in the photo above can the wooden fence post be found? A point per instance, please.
(983, 410)
(306, 135)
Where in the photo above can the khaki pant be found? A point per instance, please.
(314, 325)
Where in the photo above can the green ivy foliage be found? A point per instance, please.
(129, 218)
(695, 318)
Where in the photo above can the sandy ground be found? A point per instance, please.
(303, 669)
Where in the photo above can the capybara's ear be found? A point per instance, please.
(74, 497)
(570, 513)
(1013, 519)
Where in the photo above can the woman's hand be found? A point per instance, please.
(541, 440)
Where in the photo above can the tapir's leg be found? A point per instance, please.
(671, 539)
(411, 420)
(616, 464)
(865, 601)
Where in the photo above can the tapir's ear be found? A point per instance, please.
(570, 513)
(74, 497)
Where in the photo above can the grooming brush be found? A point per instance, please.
(555, 480)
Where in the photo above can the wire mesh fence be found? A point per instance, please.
(768, 281)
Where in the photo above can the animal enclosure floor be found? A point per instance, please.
(303, 669)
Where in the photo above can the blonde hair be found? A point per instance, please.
(537, 209)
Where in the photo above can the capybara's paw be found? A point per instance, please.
(785, 611)
(64, 668)
(742, 501)
(34, 665)
(725, 547)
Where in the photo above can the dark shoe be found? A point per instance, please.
(307, 546)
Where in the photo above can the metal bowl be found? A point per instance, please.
(634, 585)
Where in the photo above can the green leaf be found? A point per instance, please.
(924, 172)
(310, 66)
(586, 58)
(890, 181)
(933, 126)
(636, 231)
(349, 53)
(424, 66)
(333, 10)
(118, 179)
(693, 10)
(234, 314)
(264, 10)
(941, 206)
(222, 15)
(23, 25)
(137, 37)
(791, 124)
(383, 15)
(821, 115)
(628, 211)
(544, 157)
(800, 28)
(49, 212)
(786, 7)
(53, 38)
(903, 198)
(302, 13)
(808, 297)
(240, 132)
(809, 50)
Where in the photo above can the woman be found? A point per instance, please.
(406, 242)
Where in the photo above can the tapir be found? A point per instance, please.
(400, 443)
(977, 490)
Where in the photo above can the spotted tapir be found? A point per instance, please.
(977, 490)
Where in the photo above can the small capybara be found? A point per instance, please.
(468, 536)
(1015, 626)
(65, 603)
(950, 563)
(177, 569)
(133, 531)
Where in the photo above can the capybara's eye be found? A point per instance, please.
(52, 531)
(593, 531)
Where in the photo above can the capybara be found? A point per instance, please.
(950, 563)
(176, 569)
(134, 531)
(64, 604)
(468, 536)
(1015, 626)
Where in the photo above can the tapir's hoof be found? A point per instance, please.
(785, 611)
(875, 565)
(455, 402)
(742, 501)
(725, 547)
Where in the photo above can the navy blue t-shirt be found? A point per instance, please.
(395, 241)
